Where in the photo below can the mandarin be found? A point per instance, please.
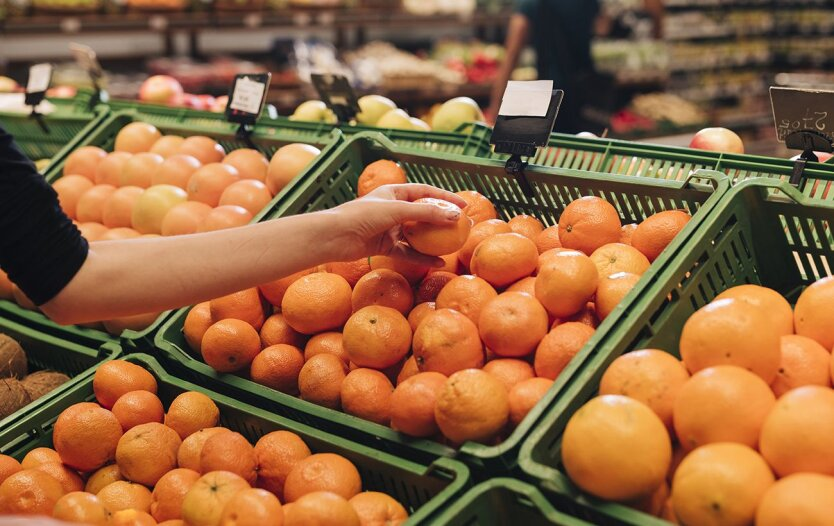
(229, 452)
(589, 223)
(379, 173)
(376, 337)
(512, 324)
(559, 346)
(322, 472)
(524, 395)
(230, 345)
(478, 207)
(117, 377)
(366, 394)
(657, 231)
(478, 233)
(385, 288)
(320, 380)
(503, 259)
(277, 454)
(190, 412)
(440, 331)
(278, 367)
(317, 303)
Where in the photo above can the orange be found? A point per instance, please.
(139, 322)
(616, 448)
(408, 370)
(277, 367)
(450, 264)
(438, 240)
(174, 522)
(589, 223)
(322, 472)
(170, 491)
(558, 348)
(366, 393)
(117, 377)
(103, 478)
(91, 232)
(720, 484)
(321, 508)
(36, 457)
(440, 331)
(374, 507)
(376, 337)
(204, 503)
(277, 454)
(413, 272)
(109, 170)
(317, 303)
(548, 239)
(247, 193)
(467, 295)
(86, 436)
(413, 402)
(510, 371)
(512, 324)
(812, 314)
(229, 452)
(207, 184)
(138, 407)
(611, 290)
(184, 218)
(478, 233)
(797, 500)
(377, 174)
(204, 149)
(136, 137)
(430, 287)
(230, 345)
(252, 507)
(9, 466)
(803, 362)
(167, 145)
(527, 226)
(80, 507)
(69, 479)
(274, 290)
(352, 271)
(175, 170)
(656, 232)
(244, 305)
(326, 343)
(721, 404)
(137, 170)
(276, 330)
(147, 451)
(626, 233)
(617, 257)
(419, 313)
(385, 288)
(118, 210)
(251, 164)
(524, 395)
(70, 188)
(320, 380)
(527, 285)
(566, 283)
(503, 259)
(548, 256)
(460, 410)
(223, 217)
(84, 161)
(478, 207)
(29, 492)
(188, 455)
(777, 307)
(650, 376)
(123, 495)
(90, 205)
(131, 517)
(190, 412)
(196, 324)
(731, 332)
(796, 435)
(287, 164)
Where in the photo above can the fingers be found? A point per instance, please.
(405, 252)
(412, 192)
(403, 211)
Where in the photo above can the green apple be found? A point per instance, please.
(372, 108)
(419, 124)
(455, 112)
(396, 119)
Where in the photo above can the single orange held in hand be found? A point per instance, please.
(434, 239)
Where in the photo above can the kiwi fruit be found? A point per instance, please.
(39, 383)
(12, 396)
(13, 361)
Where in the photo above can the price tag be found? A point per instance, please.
(247, 97)
(338, 94)
(86, 58)
(802, 110)
(526, 127)
(526, 99)
(40, 76)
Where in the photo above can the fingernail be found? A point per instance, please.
(453, 215)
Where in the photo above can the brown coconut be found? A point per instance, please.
(12, 396)
(12, 358)
(39, 383)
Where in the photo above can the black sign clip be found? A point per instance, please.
(810, 142)
(40, 76)
(337, 93)
(247, 97)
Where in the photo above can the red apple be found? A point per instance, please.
(717, 140)
(161, 89)
(61, 92)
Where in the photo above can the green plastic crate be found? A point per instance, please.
(763, 232)
(335, 182)
(502, 501)
(422, 488)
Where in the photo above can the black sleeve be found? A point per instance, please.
(40, 248)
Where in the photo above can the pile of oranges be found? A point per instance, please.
(457, 353)
(739, 430)
(124, 461)
(153, 185)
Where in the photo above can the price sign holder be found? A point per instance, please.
(338, 94)
(804, 121)
(40, 76)
(247, 96)
(86, 57)
(521, 135)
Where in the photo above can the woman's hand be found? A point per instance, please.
(371, 225)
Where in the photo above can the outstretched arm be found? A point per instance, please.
(517, 33)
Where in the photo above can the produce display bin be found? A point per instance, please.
(423, 489)
(763, 232)
(335, 183)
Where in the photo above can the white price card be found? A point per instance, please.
(40, 75)
(248, 96)
(526, 98)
